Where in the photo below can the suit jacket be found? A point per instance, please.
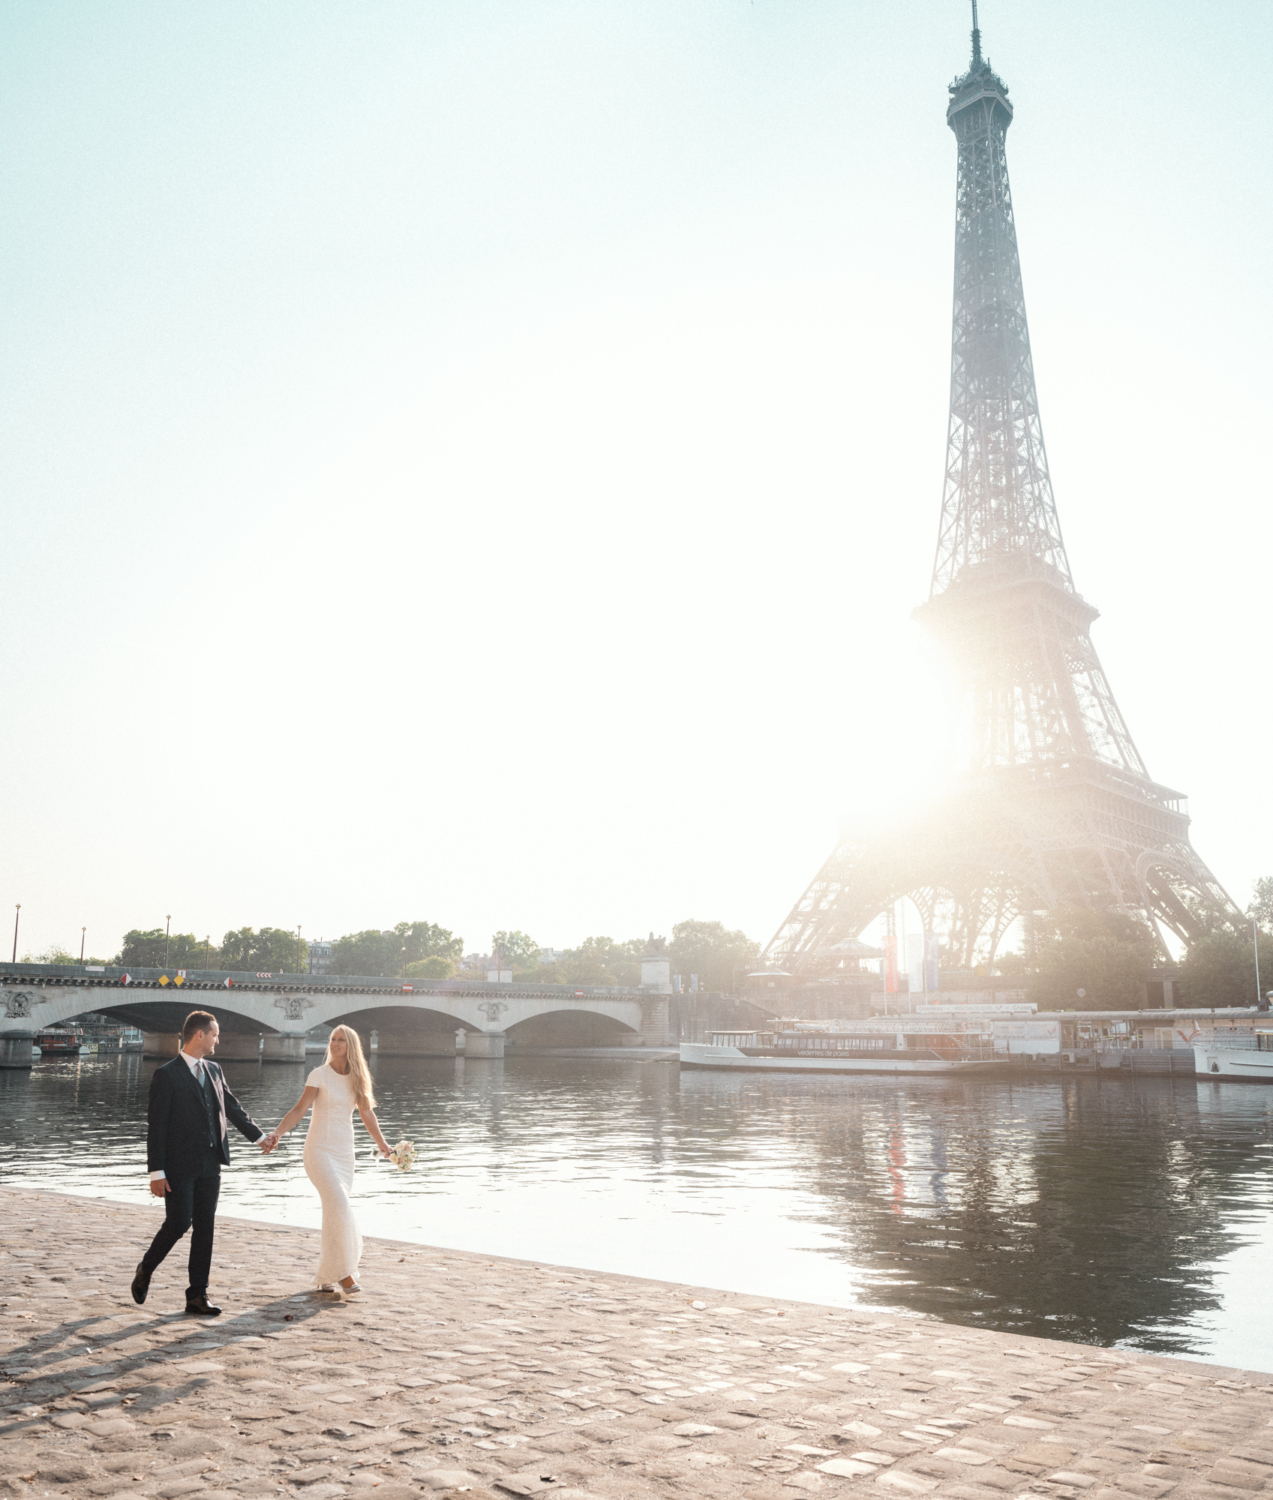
(177, 1122)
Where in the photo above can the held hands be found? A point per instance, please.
(269, 1141)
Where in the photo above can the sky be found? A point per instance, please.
(475, 462)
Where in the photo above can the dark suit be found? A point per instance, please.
(187, 1139)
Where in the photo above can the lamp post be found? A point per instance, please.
(1255, 943)
(299, 970)
(207, 949)
(167, 925)
(83, 930)
(17, 909)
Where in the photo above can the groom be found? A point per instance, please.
(186, 1147)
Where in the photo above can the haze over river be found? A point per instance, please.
(1138, 1214)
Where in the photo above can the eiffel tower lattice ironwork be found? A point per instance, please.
(1054, 805)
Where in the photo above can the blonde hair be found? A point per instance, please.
(359, 1072)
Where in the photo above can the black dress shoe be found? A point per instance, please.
(202, 1307)
(141, 1283)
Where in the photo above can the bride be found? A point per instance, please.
(335, 1090)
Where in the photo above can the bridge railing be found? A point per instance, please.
(213, 979)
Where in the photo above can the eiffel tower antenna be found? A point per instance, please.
(1053, 804)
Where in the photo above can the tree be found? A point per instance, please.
(370, 952)
(1102, 952)
(1261, 907)
(709, 949)
(1219, 969)
(380, 954)
(519, 949)
(718, 956)
(426, 940)
(142, 948)
(435, 967)
(146, 949)
(600, 960)
(596, 961)
(269, 950)
(53, 954)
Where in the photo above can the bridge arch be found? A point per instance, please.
(421, 1030)
(573, 1028)
(161, 1012)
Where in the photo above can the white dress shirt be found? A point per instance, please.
(195, 1064)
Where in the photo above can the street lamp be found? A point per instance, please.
(17, 908)
(167, 925)
(299, 970)
(207, 949)
(83, 930)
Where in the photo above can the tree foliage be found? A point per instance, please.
(145, 949)
(389, 953)
(596, 961)
(433, 967)
(718, 956)
(1261, 907)
(603, 961)
(423, 950)
(520, 950)
(278, 950)
(266, 950)
(1103, 953)
(54, 954)
(1219, 970)
(1109, 956)
(709, 949)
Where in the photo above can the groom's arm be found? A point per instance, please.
(237, 1115)
(158, 1109)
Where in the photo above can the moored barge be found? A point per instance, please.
(60, 1041)
(1234, 1056)
(804, 1047)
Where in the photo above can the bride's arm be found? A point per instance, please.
(368, 1117)
(295, 1114)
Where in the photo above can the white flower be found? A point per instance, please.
(403, 1155)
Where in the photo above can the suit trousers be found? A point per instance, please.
(189, 1201)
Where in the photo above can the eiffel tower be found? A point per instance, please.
(1052, 804)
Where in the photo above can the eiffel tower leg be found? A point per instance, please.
(856, 885)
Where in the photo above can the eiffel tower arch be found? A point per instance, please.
(1052, 803)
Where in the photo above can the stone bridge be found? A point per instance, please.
(268, 1015)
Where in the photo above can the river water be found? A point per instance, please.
(1129, 1213)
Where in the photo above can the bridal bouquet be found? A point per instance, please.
(403, 1155)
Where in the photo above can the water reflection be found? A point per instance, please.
(1091, 1211)
(1107, 1212)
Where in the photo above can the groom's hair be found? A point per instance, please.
(197, 1020)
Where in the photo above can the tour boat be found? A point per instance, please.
(59, 1042)
(807, 1048)
(1229, 1055)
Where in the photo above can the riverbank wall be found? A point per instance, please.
(455, 1374)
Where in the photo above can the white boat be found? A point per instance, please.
(1235, 1056)
(804, 1049)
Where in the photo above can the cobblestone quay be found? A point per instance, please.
(457, 1374)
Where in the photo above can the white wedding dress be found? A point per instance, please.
(329, 1165)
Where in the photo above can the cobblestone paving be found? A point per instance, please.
(454, 1374)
